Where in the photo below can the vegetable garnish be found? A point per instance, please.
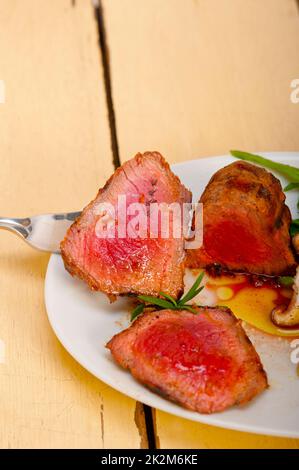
(290, 172)
(286, 281)
(291, 186)
(168, 302)
(294, 228)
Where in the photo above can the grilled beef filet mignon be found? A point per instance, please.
(126, 264)
(205, 362)
(246, 223)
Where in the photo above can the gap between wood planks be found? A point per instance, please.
(99, 15)
(144, 415)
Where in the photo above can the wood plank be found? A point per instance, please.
(198, 78)
(55, 153)
(177, 433)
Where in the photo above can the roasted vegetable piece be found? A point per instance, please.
(288, 318)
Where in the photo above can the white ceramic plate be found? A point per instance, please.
(84, 321)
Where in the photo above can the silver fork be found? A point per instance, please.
(43, 232)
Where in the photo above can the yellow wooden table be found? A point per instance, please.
(85, 89)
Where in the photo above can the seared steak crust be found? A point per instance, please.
(246, 223)
(205, 362)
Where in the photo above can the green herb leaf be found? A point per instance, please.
(156, 301)
(290, 172)
(189, 308)
(294, 228)
(137, 311)
(198, 291)
(291, 186)
(286, 281)
(193, 290)
(171, 299)
(169, 302)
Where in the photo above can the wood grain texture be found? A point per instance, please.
(54, 154)
(195, 78)
(199, 77)
(177, 433)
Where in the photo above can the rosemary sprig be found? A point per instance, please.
(168, 297)
(137, 311)
(193, 291)
(168, 302)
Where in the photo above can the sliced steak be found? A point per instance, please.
(205, 362)
(128, 264)
(246, 223)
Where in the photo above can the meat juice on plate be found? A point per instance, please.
(249, 302)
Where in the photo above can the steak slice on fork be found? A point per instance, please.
(125, 263)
